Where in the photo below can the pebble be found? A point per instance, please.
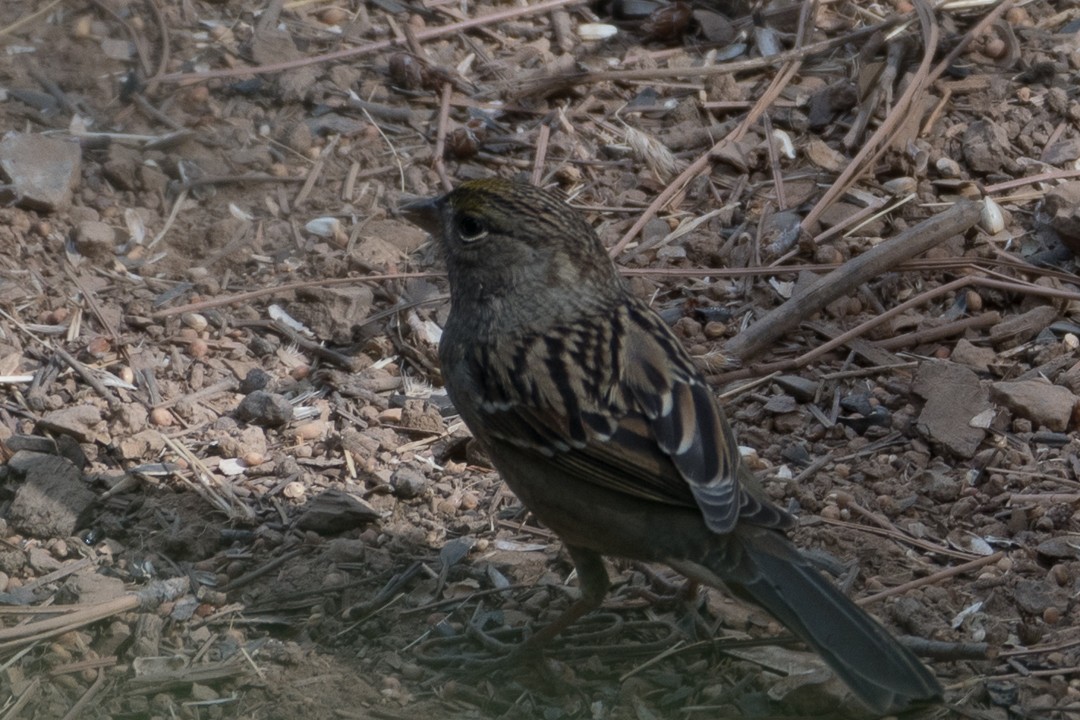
(408, 483)
(264, 408)
(161, 417)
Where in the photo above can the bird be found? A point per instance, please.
(598, 420)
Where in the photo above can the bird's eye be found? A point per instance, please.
(471, 228)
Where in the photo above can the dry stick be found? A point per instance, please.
(166, 50)
(76, 710)
(871, 151)
(808, 357)
(1055, 647)
(440, 135)
(27, 19)
(731, 68)
(1031, 180)
(135, 38)
(227, 385)
(258, 572)
(541, 154)
(427, 34)
(931, 579)
(774, 165)
(879, 141)
(315, 172)
(987, 319)
(147, 599)
(263, 292)
(1054, 498)
(88, 377)
(843, 281)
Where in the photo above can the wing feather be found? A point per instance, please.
(649, 428)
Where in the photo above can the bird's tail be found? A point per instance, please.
(763, 565)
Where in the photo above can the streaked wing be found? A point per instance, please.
(649, 428)
(626, 459)
(686, 422)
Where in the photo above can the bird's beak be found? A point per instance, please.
(424, 213)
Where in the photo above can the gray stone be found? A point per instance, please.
(95, 239)
(975, 357)
(82, 422)
(953, 396)
(408, 483)
(264, 408)
(1039, 401)
(51, 499)
(42, 170)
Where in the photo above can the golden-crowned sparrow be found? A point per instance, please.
(598, 420)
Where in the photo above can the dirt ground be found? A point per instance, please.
(233, 487)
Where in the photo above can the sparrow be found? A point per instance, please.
(598, 420)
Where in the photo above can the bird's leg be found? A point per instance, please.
(594, 582)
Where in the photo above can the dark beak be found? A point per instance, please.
(424, 213)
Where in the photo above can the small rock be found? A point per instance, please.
(42, 560)
(408, 483)
(90, 588)
(1062, 547)
(256, 379)
(789, 423)
(264, 408)
(95, 240)
(781, 404)
(975, 357)
(1021, 328)
(1035, 596)
(1062, 204)
(1043, 403)
(801, 388)
(940, 486)
(82, 422)
(161, 417)
(986, 146)
(335, 511)
(346, 550)
(421, 415)
(953, 396)
(312, 430)
(469, 501)
(42, 170)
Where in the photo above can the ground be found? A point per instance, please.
(232, 484)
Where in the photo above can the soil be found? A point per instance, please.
(234, 488)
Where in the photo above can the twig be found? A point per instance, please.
(147, 599)
(258, 572)
(426, 34)
(845, 279)
(88, 377)
(166, 51)
(263, 292)
(84, 700)
(987, 319)
(39, 13)
(541, 153)
(316, 171)
(440, 135)
(342, 361)
(932, 579)
(1054, 498)
(227, 385)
